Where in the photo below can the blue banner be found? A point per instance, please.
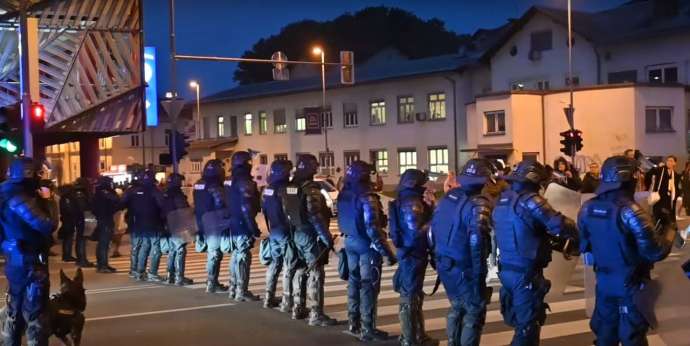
(151, 92)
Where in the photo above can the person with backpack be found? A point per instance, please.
(409, 217)
(460, 234)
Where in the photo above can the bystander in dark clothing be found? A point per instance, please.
(566, 175)
(685, 188)
(592, 179)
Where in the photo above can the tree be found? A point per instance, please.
(366, 32)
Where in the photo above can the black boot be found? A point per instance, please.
(215, 287)
(408, 335)
(318, 319)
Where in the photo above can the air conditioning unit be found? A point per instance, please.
(420, 116)
(535, 55)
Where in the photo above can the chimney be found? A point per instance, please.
(665, 8)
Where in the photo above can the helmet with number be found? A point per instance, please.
(358, 171)
(413, 179)
(529, 171)
(307, 165)
(280, 171)
(20, 169)
(174, 180)
(475, 172)
(616, 172)
(241, 159)
(104, 182)
(213, 170)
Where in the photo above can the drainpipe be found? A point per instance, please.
(543, 129)
(453, 82)
(598, 55)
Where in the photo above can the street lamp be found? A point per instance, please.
(318, 51)
(197, 119)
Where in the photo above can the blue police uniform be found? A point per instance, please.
(73, 204)
(105, 205)
(280, 235)
(174, 199)
(243, 205)
(209, 196)
(27, 230)
(409, 217)
(526, 226)
(460, 231)
(362, 221)
(144, 203)
(624, 245)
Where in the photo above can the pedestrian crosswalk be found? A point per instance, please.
(567, 323)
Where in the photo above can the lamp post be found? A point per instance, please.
(197, 119)
(319, 51)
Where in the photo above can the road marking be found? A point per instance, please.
(159, 312)
(122, 289)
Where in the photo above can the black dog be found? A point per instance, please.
(66, 309)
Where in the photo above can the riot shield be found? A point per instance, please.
(216, 222)
(560, 270)
(182, 224)
(664, 301)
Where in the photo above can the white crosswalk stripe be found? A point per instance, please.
(566, 324)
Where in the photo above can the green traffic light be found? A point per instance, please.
(8, 145)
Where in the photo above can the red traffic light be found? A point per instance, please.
(38, 111)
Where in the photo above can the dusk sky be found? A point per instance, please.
(228, 28)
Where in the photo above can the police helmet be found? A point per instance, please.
(20, 169)
(616, 171)
(104, 182)
(241, 159)
(149, 177)
(529, 171)
(358, 171)
(413, 178)
(213, 169)
(280, 171)
(475, 172)
(307, 164)
(174, 180)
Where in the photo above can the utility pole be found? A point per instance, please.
(173, 82)
(25, 76)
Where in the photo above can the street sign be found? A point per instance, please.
(313, 120)
(173, 107)
(569, 113)
(283, 74)
(280, 70)
(347, 67)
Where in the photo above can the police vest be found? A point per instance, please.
(612, 249)
(448, 229)
(520, 240)
(272, 202)
(292, 202)
(350, 219)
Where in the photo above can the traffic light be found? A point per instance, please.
(181, 144)
(347, 67)
(572, 142)
(38, 116)
(11, 136)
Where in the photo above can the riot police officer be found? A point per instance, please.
(461, 238)
(144, 203)
(310, 217)
(209, 197)
(105, 204)
(27, 230)
(174, 199)
(280, 234)
(409, 217)
(362, 221)
(244, 203)
(624, 245)
(526, 228)
(73, 204)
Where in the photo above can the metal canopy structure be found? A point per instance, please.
(90, 64)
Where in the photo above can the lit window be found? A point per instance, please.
(279, 122)
(378, 112)
(350, 115)
(438, 160)
(663, 74)
(248, 129)
(263, 123)
(659, 119)
(350, 157)
(196, 166)
(380, 160)
(327, 163)
(437, 106)
(494, 122)
(405, 109)
(300, 123)
(407, 159)
(220, 126)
